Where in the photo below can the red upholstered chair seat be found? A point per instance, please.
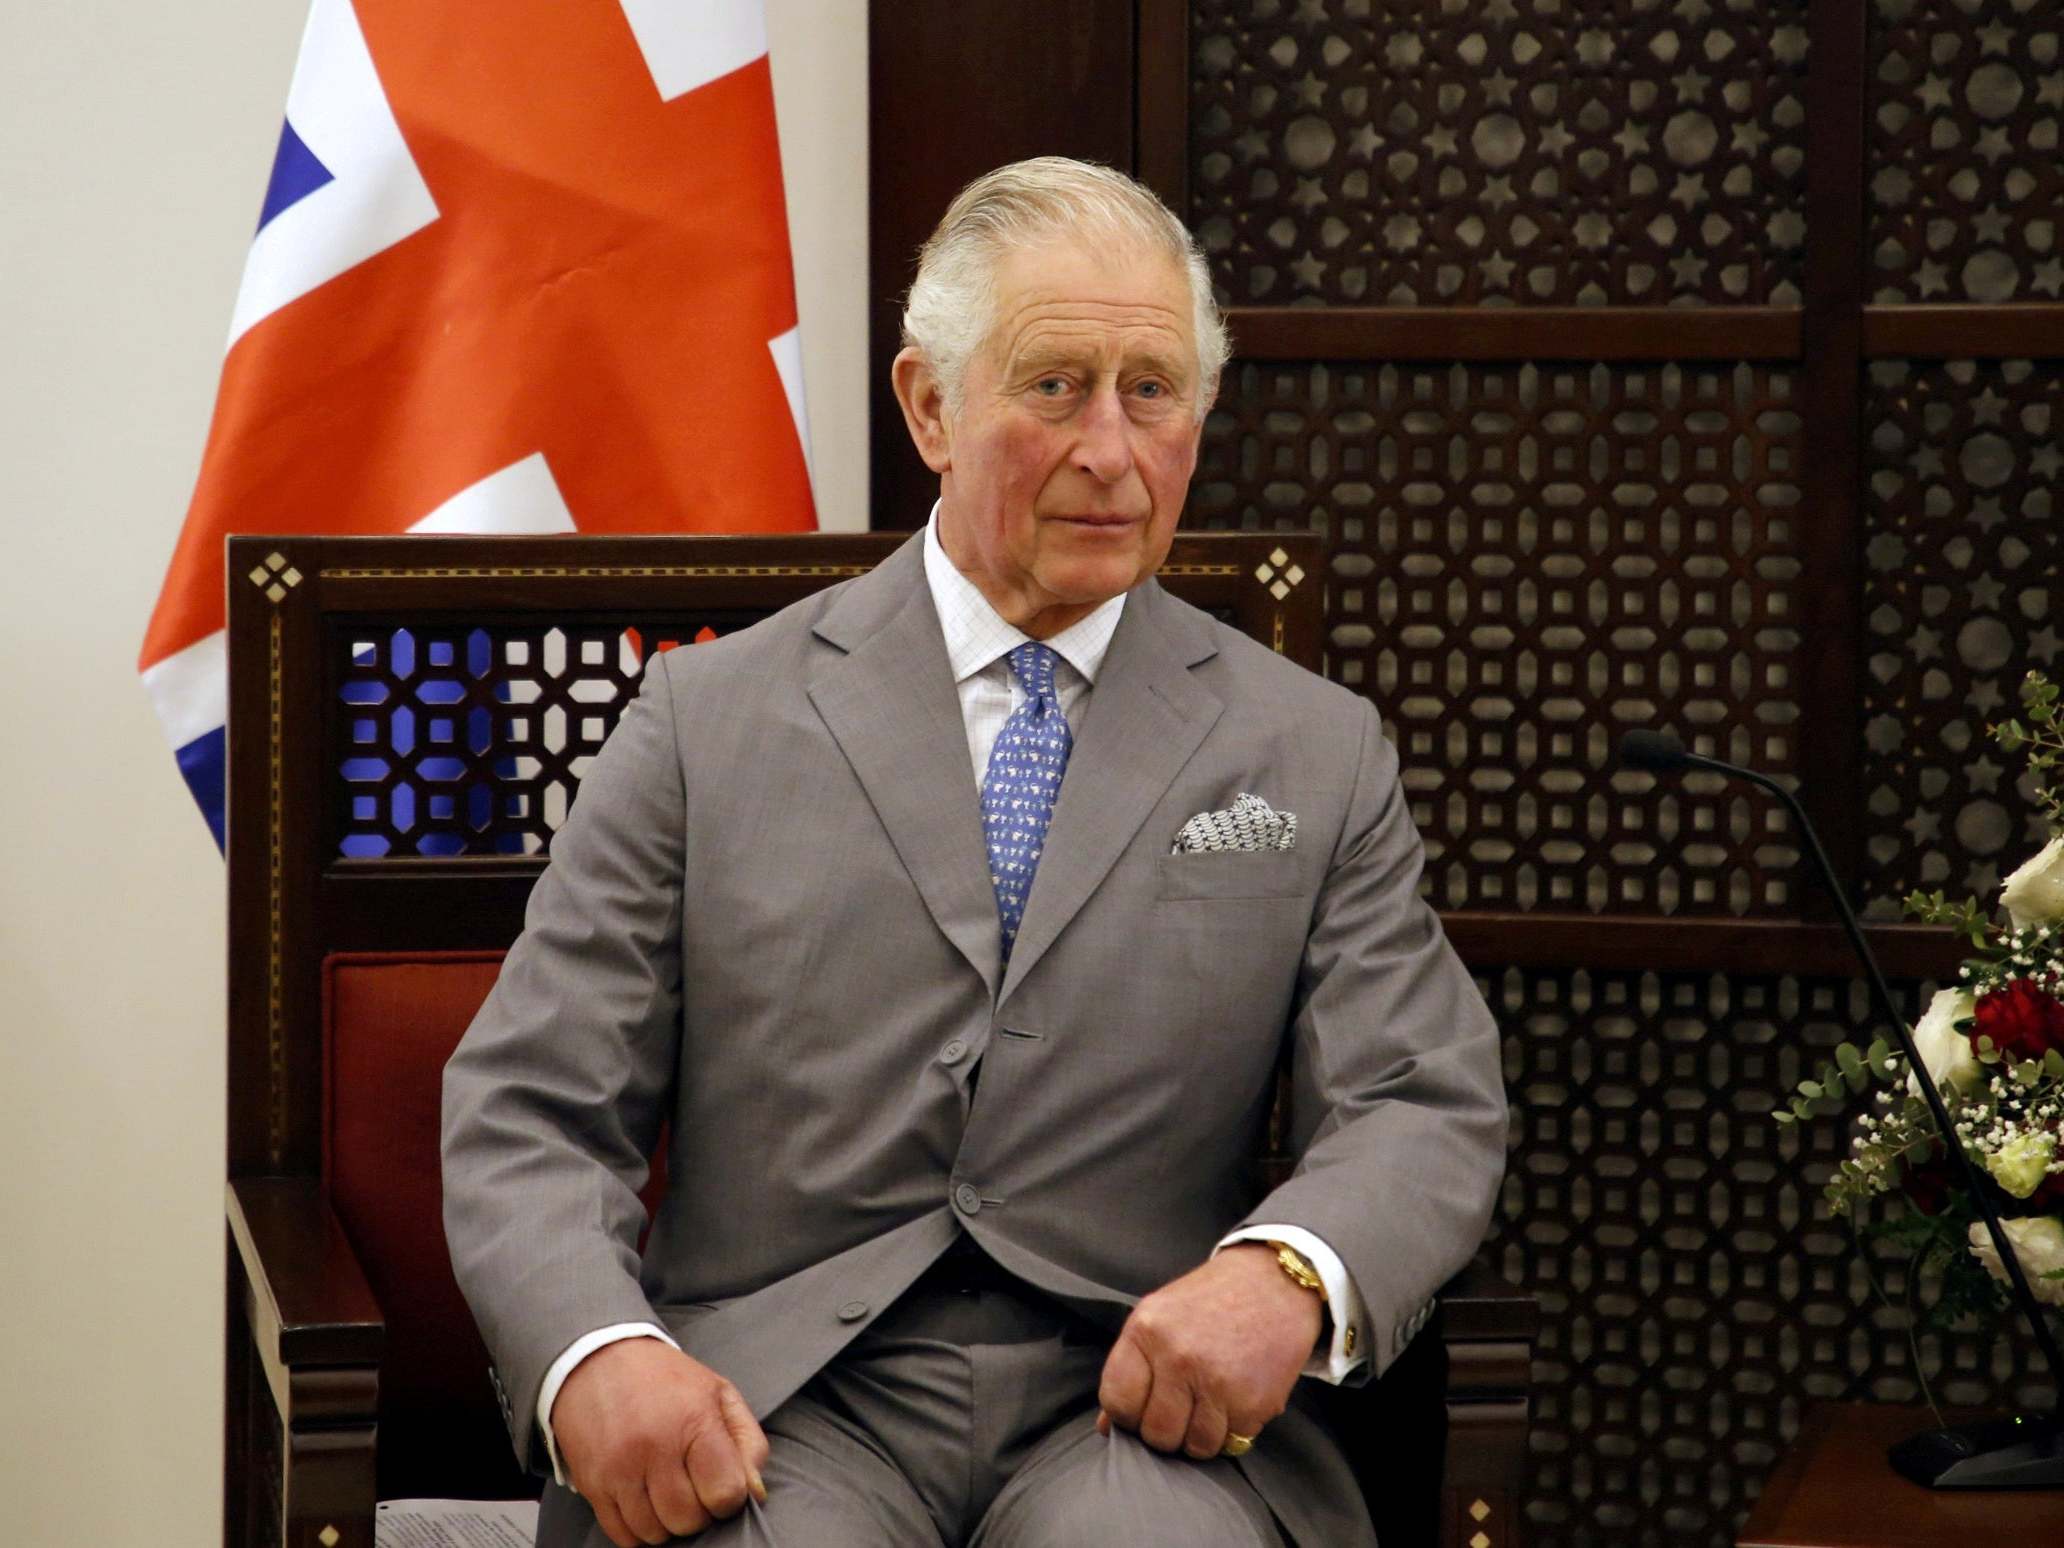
(390, 1021)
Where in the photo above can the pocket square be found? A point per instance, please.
(1251, 825)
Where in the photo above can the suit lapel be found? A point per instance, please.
(1146, 716)
(891, 705)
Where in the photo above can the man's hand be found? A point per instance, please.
(1215, 1352)
(658, 1444)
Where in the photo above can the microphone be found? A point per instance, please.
(2005, 1453)
(1656, 751)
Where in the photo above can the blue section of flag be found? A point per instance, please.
(295, 175)
(201, 763)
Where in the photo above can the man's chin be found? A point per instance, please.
(1092, 563)
(1085, 582)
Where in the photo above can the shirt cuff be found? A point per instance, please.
(561, 1368)
(1350, 1344)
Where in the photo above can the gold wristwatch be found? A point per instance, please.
(1299, 1268)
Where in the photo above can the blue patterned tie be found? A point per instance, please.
(1025, 769)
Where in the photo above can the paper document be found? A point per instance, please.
(455, 1524)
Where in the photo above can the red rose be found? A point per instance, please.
(2048, 1198)
(1927, 1186)
(2021, 1020)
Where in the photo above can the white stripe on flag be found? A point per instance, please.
(787, 351)
(689, 43)
(522, 498)
(190, 689)
(376, 196)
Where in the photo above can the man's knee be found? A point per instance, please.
(1099, 1491)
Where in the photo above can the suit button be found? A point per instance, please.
(953, 1052)
(852, 1311)
(967, 1200)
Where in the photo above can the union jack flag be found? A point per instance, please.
(522, 266)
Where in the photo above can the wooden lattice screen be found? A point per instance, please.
(1690, 364)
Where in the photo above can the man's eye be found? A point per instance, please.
(1050, 386)
(1152, 389)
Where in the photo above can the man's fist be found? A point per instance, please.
(658, 1444)
(1214, 1353)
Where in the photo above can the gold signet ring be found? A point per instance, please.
(1236, 1445)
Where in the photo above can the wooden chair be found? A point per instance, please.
(409, 719)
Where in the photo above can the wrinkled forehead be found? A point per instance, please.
(1072, 300)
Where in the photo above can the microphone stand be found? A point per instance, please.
(2005, 1453)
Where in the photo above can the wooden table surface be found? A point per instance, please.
(1834, 1489)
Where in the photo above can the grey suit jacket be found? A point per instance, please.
(768, 921)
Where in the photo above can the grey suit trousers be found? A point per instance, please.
(967, 1420)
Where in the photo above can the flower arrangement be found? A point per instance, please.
(1994, 1043)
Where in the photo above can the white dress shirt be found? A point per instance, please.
(978, 643)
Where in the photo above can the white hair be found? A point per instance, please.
(951, 307)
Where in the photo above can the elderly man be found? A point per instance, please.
(954, 921)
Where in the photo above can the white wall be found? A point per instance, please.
(134, 145)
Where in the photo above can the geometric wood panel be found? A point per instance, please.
(1526, 561)
(1964, 582)
(1343, 151)
(1695, 1292)
(471, 740)
(1967, 169)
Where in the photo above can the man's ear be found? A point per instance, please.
(923, 402)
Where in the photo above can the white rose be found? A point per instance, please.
(2034, 895)
(1944, 1050)
(2038, 1242)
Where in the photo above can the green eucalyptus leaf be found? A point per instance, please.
(1812, 1090)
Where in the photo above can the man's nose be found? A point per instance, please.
(1104, 450)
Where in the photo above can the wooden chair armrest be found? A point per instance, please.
(1487, 1332)
(1488, 1329)
(1477, 1305)
(315, 1325)
(315, 1336)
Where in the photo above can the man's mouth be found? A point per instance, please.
(1094, 520)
